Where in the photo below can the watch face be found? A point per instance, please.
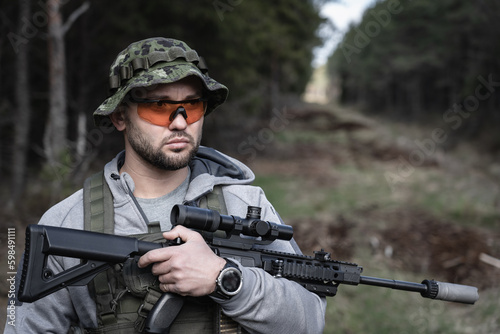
(231, 281)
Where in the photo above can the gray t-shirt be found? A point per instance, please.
(158, 209)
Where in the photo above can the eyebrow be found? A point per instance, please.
(194, 96)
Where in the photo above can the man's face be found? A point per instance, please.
(164, 147)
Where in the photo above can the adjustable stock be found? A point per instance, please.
(97, 251)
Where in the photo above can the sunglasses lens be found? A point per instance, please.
(159, 113)
(195, 110)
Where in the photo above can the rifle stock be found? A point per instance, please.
(97, 252)
(319, 274)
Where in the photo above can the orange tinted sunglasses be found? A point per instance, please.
(163, 112)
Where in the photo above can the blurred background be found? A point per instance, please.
(373, 127)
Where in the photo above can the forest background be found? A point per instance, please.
(410, 95)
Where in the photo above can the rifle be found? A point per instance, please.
(228, 236)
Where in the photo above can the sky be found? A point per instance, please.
(341, 13)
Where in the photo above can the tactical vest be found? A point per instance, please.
(125, 294)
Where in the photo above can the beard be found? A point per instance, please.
(155, 156)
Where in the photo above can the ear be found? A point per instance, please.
(118, 119)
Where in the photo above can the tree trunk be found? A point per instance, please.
(23, 112)
(55, 131)
(55, 138)
(82, 158)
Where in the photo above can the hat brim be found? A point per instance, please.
(163, 73)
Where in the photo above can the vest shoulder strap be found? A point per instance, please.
(214, 201)
(98, 209)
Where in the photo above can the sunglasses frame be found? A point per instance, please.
(180, 103)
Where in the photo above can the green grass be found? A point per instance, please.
(456, 190)
(297, 197)
(455, 196)
(366, 309)
(374, 310)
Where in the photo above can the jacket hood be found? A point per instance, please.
(209, 168)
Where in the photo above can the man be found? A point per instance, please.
(160, 94)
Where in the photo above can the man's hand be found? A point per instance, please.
(189, 269)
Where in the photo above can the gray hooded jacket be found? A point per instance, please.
(264, 305)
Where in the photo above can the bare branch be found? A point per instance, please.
(74, 16)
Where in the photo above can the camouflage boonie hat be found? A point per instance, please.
(157, 61)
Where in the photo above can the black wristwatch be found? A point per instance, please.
(229, 281)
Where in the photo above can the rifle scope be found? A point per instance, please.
(211, 221)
